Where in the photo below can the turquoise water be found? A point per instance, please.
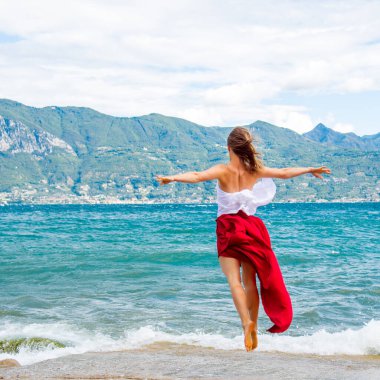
(99, 277)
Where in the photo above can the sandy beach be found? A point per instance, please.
(174, 361)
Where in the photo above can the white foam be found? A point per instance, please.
(363, 341)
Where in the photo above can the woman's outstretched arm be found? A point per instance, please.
(285, 173)
(214, 172)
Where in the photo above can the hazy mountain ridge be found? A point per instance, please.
(322, 134)
(75, 154)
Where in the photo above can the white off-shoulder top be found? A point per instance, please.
(247, 200)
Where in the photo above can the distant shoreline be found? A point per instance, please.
(167, 203)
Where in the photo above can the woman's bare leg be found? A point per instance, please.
(249, 280)
(231, 269)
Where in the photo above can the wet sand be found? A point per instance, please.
(175, 361)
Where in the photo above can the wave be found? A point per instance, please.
(364, 341)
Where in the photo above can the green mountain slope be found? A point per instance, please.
(74, 154)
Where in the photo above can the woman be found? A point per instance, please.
(242, 238)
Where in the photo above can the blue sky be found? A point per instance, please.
(8, 38)
(293, 63)
(357, 112)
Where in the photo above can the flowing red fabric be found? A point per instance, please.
(246, 238)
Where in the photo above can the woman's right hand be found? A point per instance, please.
(316, 172)
(164, 180)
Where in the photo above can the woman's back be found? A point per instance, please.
(237, 179)
(241, 190)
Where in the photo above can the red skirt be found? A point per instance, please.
(246, 238)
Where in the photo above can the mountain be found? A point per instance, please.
(76, 154)
(350, 140)
(17, 137)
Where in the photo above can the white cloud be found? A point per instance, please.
(215, 63)
(239, 93)
(202, 115)
(343, 127)
(293, 117)
(358, 84)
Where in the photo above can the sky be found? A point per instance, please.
(291, 63)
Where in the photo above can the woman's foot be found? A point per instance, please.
(254, 337)
(250, 336)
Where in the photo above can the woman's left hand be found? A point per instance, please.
(316, 172)
(164, 180)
